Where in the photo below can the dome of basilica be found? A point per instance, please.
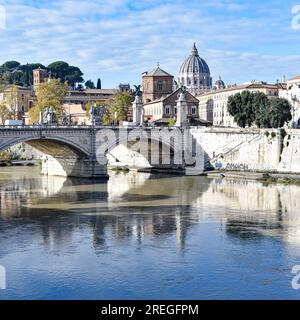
(194, 73)
(220, 84)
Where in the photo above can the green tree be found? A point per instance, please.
(107, 118)
(240, 106)
(5, 113)
(248, 108)
(74, 76)
(279, 112)
(59, 69)
(120, 105)
(50, 94)
(12, 99)
(90, 84)
(171, 122)
(99, 83)
(10, 65)
(63, 71)
(261, 105)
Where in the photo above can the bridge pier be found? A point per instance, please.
(73, 167)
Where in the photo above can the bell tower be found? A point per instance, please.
(156, 84)
(39, 76)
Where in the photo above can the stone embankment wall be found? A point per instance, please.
(264, 150)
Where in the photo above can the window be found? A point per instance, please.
(160, 86)
(167, 110)
(175, 110)
(193, 110)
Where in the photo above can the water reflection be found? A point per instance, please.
(183, 228)
(254, 209)
(136, 205)
(131, 205)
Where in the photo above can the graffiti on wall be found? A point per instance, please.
(244, 166)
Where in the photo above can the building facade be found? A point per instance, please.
(213, 105)
(157, 84)
(291, 92)
(164, 109)
(18, 100)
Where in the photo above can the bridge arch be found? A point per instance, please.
(145, 152)
(46, 144)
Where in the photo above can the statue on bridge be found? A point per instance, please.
(48, 117)
(138, 107)
(137, 91)
(97, 114)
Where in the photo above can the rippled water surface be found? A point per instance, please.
(141, 236)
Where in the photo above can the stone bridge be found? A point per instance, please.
(83, 151)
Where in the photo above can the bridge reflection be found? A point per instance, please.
(132, 206)
(139, 207)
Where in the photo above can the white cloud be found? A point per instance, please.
(120, 39)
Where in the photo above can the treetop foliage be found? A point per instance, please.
(12, 72)
(250, 108)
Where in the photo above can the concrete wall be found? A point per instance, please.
(250, 149)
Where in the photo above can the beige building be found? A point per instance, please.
(163, 109)
(291, 92)
(18, 100)
(213, 105)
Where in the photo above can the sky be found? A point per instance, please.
(118, 40)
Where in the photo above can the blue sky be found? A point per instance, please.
(117, 40)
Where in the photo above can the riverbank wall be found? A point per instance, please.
(256, 150)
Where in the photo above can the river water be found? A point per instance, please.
(142, 236)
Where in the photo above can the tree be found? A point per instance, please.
(171, 122)
(90, 84)
(99, 83)
(12, 99)
(50, 94)
(261, 105)
(63, 71)
(12, 72)
(279, 112)
(59, 70)
(248, 108)
(5, 114)
(240, 106)
(10, 65)
(120, 105)
(74, 76)
(107, 118)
